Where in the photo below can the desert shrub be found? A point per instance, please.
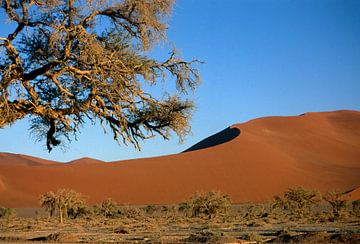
(204, 236)
(78, 209)
(6, 212)
(121, 230)
(55, 237)
(283, 236)
(356, 207)
(322, 217)
(48, 201)
(150, 209)
(338, 205)
(166, 209)
(62, 201)
(183, 207)
(253, 211)
(251, 237)
(297, 201)
(131, 212)
(208, 205)
(79, 212)
(109, 208)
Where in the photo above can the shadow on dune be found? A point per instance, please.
(221, 137)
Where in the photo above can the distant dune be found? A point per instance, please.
(251, 162)
(352, 194)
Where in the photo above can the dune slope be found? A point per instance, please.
(251, 162)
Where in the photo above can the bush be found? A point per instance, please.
(205, 236)
(208, 205)
(183, 207)
(150, 209)
(48, 201)
(253, 211)
(356, 207)
(78, 212)
(251, 237)
(109, 208)
(338, 205)
(131, 212)
(298, 201)
(6, 212)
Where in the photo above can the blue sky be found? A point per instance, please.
(263, 57)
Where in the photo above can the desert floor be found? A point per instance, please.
(245, 224)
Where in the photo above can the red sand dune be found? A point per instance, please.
(251, 162)
(352, 195)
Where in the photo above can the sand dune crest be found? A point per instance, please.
(251, 161)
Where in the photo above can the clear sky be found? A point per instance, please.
(263, 57)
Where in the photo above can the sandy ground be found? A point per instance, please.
(172, 229)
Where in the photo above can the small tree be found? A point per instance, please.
(60, 65)
(67, 199)
(356, 207)
(62, 201)
(338, 205)
(108, 208)
(6, 212)
(209, 205)
(48, 201)
(298, 201)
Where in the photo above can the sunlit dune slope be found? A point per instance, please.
(251, 162)
(12, 159)
(352, 195)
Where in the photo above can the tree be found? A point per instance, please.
(298, 201)
(61, 201)
(109, 208)
(61, 66)
(48, 201)
(6, 213)
(338, 205)
(210, 205)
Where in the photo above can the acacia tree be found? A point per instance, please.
(210, 204)
(61, 201)
(298, 201)
(334, 198)
(48, 201)
(108, 208)
(68, 60)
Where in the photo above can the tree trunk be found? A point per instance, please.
(61, 215)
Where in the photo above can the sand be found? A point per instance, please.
(251, 161)
(352, 195)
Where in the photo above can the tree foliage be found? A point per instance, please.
(6, 212)
(210, 205)
(109, 208)
(48, 201)
(334, 198)
(356, 207)
(298, 201)
(69, 60)
(62, 201)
